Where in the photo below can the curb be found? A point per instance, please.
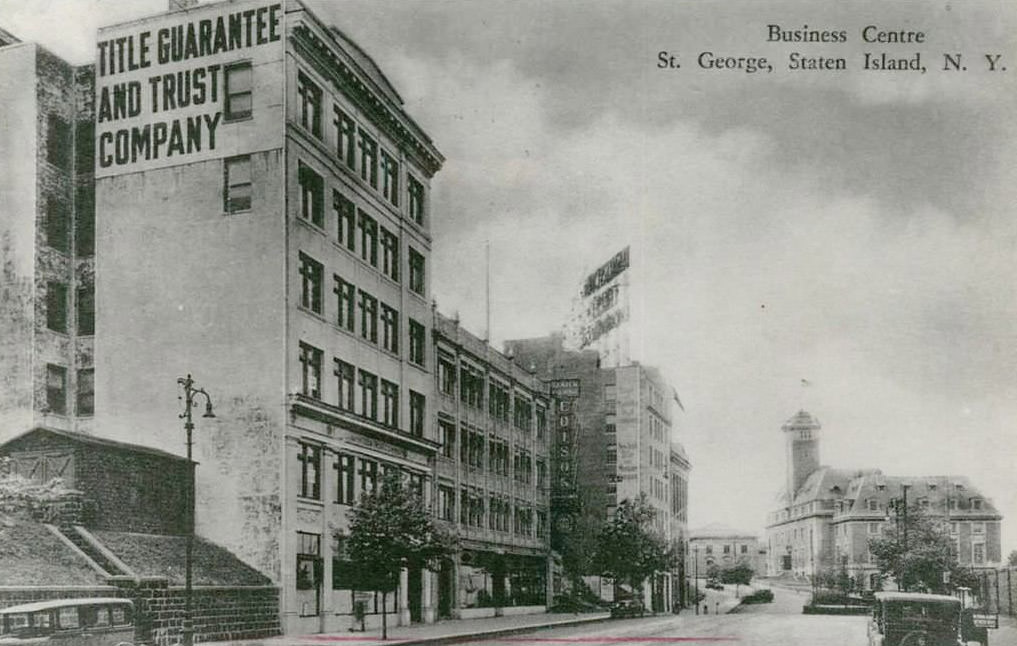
(496, 632)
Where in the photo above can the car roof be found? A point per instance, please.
(916, 596)
(64, 603)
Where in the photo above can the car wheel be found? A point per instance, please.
(916, 638)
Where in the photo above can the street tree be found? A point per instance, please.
(390, 529)
(919, 554)
(1011, 559)
(628, 549)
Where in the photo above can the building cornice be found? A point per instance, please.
(318, 410)
(394, 123)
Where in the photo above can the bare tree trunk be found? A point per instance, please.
(384, 614)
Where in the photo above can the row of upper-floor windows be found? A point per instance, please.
(355, 229)
(501, 404)
(353, 306)
(360, 392)
(474, 446)
(57, 391)
(500, 512)
(726, 548)
(358, 149)
(59, 308)
(949, 503)
(354, 476)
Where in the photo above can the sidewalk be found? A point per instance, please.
(719, 601)
(443, 632)
(1006, 633)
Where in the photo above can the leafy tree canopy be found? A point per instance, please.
(628, 548)
(389, 530)
(917, 552)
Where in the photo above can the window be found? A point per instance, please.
(368, 239)
(368, 476)
(368, 394)
(709, 549)
(978, 553)
(522, 467)
(745, 549)
(85, 405)
(311, 272)
(56, 389)
(727, 549)
(446, 503)
(873, 528)
(498, 401)
(418, 408)
(476, 450)
(312, 195)
(417, 337)
(239, 84)
(417, 282)
(873, 504)
(84, 215)
(344, 380)
(237, 196)
(446, 375)
(344, 479)
(310, 369)
(344, 292)
(368, 159)
(390, 254)
(345, 135)
(346, 217)
(56, 306)
(523, 413)
(309, 457)
(368, 317)
(541, 474)
(977, 528)
(471, 386)
(541, 421)
(86, 310)
(416, 190)
(498, 457)
(389, 404)
(976, 504)
(389, 178)
(309, 572)
(954, 527)
(541, 524)
(310, 104)
(952, 504)
(58, 144)
(58, 220)
(448, 438)
(389, 329)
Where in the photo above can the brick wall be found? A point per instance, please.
(220, 613)
(132, 491)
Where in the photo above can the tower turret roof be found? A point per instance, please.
(801, 420)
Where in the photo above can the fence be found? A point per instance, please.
(997, 590)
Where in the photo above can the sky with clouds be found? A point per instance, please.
(853, 228)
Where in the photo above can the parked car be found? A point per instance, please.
(913, 619)
(98, 621)
(627, 608)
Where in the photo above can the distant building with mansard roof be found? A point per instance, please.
(824, 516)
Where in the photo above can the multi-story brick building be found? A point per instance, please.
(265, 226)
(492, 476)
(47, 233)
(624, 442)
(826, 516)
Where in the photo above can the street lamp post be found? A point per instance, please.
(900, 508)
(695, 575)
(188, 398)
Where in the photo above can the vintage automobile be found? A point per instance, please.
(98, 621)
(627, 608)
(914, 619)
